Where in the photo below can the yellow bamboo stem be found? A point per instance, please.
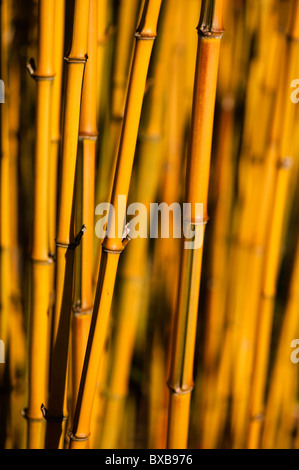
(122, 60)
(180, 381)
(114, 245)
(272, 255)
(65, 242)
(88, 135)
(5, 230)
(252, 256)
(40, 282)
(126, 25)
(134, 275)
(283, 365)
(58, 48)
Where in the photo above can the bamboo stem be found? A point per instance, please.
(134, 276)
(114, 245)
(83, 302)
(65, 241)
(126, 25)
(41, 263)
(180, 381)
(272, 255)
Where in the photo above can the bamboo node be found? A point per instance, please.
(43, 262)
(52, 419)
(145, 36)
(180, 389)
(202, 221)
(79, 312)
(76, 60)
(88, 136)
(112, 252)
(210, 23)
(76, 243)
(25, 415)
(31, 68)
(75, 438)
(208, 33)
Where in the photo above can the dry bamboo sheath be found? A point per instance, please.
(180, 381)
(114, 245)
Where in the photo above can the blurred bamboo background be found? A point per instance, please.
(127, 344)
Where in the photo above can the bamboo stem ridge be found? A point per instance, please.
(65, 240)
(180, 381)
(40, 282)
(114, 245)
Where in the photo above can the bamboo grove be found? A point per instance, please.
(115, 341)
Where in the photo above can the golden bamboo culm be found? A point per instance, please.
(149, 166)
(66, 242)
(41, 262)
(112, 247)
(210, 30)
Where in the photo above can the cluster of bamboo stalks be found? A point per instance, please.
(157, 101)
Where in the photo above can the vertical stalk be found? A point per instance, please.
(275, 234)
(134, 277)
(283, 366)
(5, 225)
(180, 381)
(83, 302)
(126, 25)
(113, 244)
(58, 48)
(65, 241)
(40, 261)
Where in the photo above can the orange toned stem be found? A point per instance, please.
(180, 381)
